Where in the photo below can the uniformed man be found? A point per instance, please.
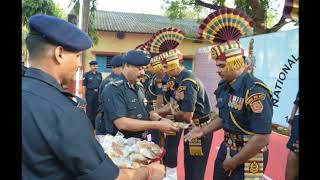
(57, 139)
(154, 92)
(146, 78)
(116, 64)
(124, 102)
(171, 141)
(91, 83)
(292, 168)
(193, 106)
(245, 107)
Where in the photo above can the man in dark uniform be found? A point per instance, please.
(116, 64)
(57, 139)
(292, 168)
(193, 106)
(154, 92)
(91, 83)
(245, 113)
(146, 78)
(124, 102)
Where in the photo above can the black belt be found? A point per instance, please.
(237, 141)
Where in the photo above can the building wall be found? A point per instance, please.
(110, 44)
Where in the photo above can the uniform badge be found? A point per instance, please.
(139, 116)
(213, 53)
(256, 97)
(254, 167)
(164, 88)
(235, 102)
(255, 102)
(170, 85)
(256, 106)
(179, 95)
(145, 102)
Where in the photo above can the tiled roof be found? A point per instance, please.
(140, 23)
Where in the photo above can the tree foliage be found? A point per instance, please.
(91, 28)
(32, 7)
(259, 10)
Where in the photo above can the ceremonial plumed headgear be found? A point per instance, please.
(223, 28)
(143, 47)
(163, 43)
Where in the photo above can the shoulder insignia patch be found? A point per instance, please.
(257, 106)
(255, 102)
(256, 97)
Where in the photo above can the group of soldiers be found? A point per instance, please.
(145, 96)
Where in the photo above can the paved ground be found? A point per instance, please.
(276, 164)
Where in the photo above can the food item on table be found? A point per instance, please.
(131, 152)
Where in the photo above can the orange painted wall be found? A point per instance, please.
(110, 44)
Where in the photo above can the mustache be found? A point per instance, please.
(141, 76)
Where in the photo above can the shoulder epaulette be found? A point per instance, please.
(117, 82)
(140, 84)
(264, 86)
(259, 84)
(147, 75)
(191, 80)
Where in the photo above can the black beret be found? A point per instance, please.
(60, 32)
(116, 61)
(137, 58)
(93, 62)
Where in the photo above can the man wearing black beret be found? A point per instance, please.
(124, 102)
(116, 64)
(91, 82)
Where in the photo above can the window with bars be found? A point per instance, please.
(187, 63)
(104, 62)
